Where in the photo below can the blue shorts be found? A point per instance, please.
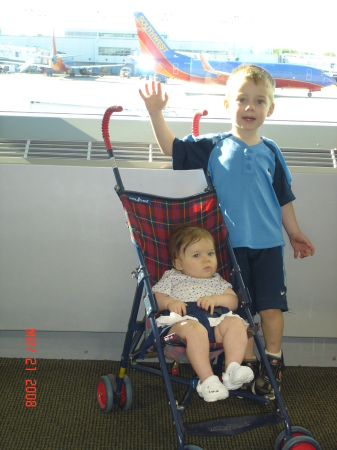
(263, 274)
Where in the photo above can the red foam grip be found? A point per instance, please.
(105, 124)
(196, 121)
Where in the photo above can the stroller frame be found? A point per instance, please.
(118, 390)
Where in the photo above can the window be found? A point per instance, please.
(187, 45)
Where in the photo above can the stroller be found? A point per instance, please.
(150, 219)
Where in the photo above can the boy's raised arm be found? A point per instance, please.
(155, 103)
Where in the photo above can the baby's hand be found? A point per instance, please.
(154, 102)
(207, 302)
(177, 306)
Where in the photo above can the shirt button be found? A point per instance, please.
(248, 166)
(248, 157)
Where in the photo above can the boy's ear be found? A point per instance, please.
(271, 109)
(226, 103)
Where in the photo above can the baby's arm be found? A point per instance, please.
(155, 103)
(300, 243)
(166, 302)
(227, 299)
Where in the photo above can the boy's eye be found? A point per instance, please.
(242, 100)
(260, 102)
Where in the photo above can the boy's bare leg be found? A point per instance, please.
(272, 323)
(197, 346)
(232, 333)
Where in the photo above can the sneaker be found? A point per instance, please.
(236, 375)
(212, 389)
(262, 385)
(254, 365)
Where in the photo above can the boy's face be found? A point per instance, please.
(199, 259)
(248, 104)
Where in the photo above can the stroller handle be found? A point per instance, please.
(105, 125)
(196, 121)
(106, 137)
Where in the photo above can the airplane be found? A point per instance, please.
(199, 70)
(59, 62)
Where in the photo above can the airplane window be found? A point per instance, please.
(190, 52)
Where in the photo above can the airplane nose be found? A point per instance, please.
(330, 80)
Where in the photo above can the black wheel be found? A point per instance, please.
(296, 431)
(309, 94)
(126, 396)
(105, 395)
(302, 443)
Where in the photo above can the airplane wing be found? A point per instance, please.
(28, 65)
(208, 68)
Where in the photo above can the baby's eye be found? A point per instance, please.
(211, 254)
(196, 255)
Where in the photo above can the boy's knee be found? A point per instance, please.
(270, 314)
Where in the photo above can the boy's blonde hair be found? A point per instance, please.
(184, 235)
(255, 73)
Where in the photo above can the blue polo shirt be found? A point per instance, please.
(252, 183)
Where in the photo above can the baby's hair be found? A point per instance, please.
(184, 235)
(255, 73)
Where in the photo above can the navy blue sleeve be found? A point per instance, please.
(191, 153)
(281, 185)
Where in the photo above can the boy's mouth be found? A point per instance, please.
(248, 118)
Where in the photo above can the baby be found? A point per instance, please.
(189, 294)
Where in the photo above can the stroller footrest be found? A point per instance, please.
(232, 426)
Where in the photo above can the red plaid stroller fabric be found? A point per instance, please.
(150, 220)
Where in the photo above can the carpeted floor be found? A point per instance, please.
(67, 414)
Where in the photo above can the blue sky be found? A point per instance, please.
(292, 23)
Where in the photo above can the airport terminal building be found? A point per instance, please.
(113, 47)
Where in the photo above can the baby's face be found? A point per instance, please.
(199, 259)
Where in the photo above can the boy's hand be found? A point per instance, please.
(301, 245)
(177, 306)
(207, 302)
(154, 101)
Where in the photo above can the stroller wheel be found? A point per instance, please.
(126, 396)
(302, 443)
(296, 431)
(104, 393)
(113, 380)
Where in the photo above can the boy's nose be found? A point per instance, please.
(250, 105)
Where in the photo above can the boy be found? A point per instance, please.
(253, 188)
(188, 294)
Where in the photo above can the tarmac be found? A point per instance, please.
(37, 93)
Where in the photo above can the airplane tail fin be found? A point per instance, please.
(150, 41)
(54, 45)
(205, 64)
